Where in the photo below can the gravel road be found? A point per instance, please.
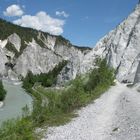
(114, 116)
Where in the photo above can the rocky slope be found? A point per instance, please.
(121, 47)
(24, 49)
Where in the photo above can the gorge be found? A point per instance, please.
(69, 72)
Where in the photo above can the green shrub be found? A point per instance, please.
(9, 46)
(78, 94)
(19, 129)
(71, 98)
(2, 92)
(26, 35)
(45, 79)
(101, 75)
(61, 103)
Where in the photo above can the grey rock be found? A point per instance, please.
(3, 60)
(36, 59)
(15, 40)
(120, 47)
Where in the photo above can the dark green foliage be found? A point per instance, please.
(103, 74)
(115, 129)
(29, 81)
(11, 48)
(83, 48)
(61, 103)
(72, 97)
(61, 40)
(64, 102)
(45, 79)
(2, 92)
(26, 35)
(20, 129)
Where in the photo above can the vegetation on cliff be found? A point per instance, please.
(60, 104)
(26, 35)
(45, 79)
(2, 91)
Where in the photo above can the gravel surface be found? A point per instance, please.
(114, 116)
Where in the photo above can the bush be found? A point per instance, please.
(78, 94)
(72, 97)
(2, 92)
(20, 129)
(45, 79)
(102, 75)
(61, 104)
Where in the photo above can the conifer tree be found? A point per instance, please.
(2, 91)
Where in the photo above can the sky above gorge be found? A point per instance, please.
(83, 22)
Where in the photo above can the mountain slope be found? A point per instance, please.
(25, 49)
(121, 47)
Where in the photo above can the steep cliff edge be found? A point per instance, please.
(25, 49)
(121, 47)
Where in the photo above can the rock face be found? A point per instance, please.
(121, 47)
(74, 57)
(40, 52)
(36, 59)
(49, 41)
(15, 40)
(3, 60)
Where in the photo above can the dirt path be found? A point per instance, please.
(114, 116)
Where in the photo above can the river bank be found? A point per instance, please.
(15, 100)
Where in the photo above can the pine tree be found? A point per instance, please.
(2, 91)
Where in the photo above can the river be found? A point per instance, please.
(15, 100)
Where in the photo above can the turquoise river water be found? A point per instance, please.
(15, 100)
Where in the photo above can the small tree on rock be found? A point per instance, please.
(2, 92)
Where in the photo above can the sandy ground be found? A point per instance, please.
(114, 116)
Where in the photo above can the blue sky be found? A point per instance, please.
(83, 22)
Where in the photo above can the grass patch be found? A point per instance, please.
(61, 103)
(19, 129)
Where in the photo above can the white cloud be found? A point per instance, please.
(13, 10)
(42, 21)
(62, 13)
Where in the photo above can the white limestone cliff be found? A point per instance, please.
(121, 48)
(36, 59)
(3, 58)
(15, 40)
